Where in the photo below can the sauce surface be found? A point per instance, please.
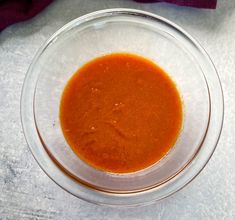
(120, 113)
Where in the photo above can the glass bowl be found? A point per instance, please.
(129, 31)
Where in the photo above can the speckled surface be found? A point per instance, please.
(27, 193)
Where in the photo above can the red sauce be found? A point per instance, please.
(121, 113)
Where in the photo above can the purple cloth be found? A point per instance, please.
(12, 11)
(211, 4)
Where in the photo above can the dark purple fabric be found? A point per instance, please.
(191, 3)
(12, 11)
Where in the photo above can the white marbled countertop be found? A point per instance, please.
(27, 193)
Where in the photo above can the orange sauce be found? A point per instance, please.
(120, 113)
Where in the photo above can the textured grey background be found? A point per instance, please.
(27, 193)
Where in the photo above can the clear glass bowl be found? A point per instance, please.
(145, 34)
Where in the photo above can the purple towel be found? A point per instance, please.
(192, 3)
(12, 11)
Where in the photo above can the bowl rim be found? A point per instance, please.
(82, 191)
